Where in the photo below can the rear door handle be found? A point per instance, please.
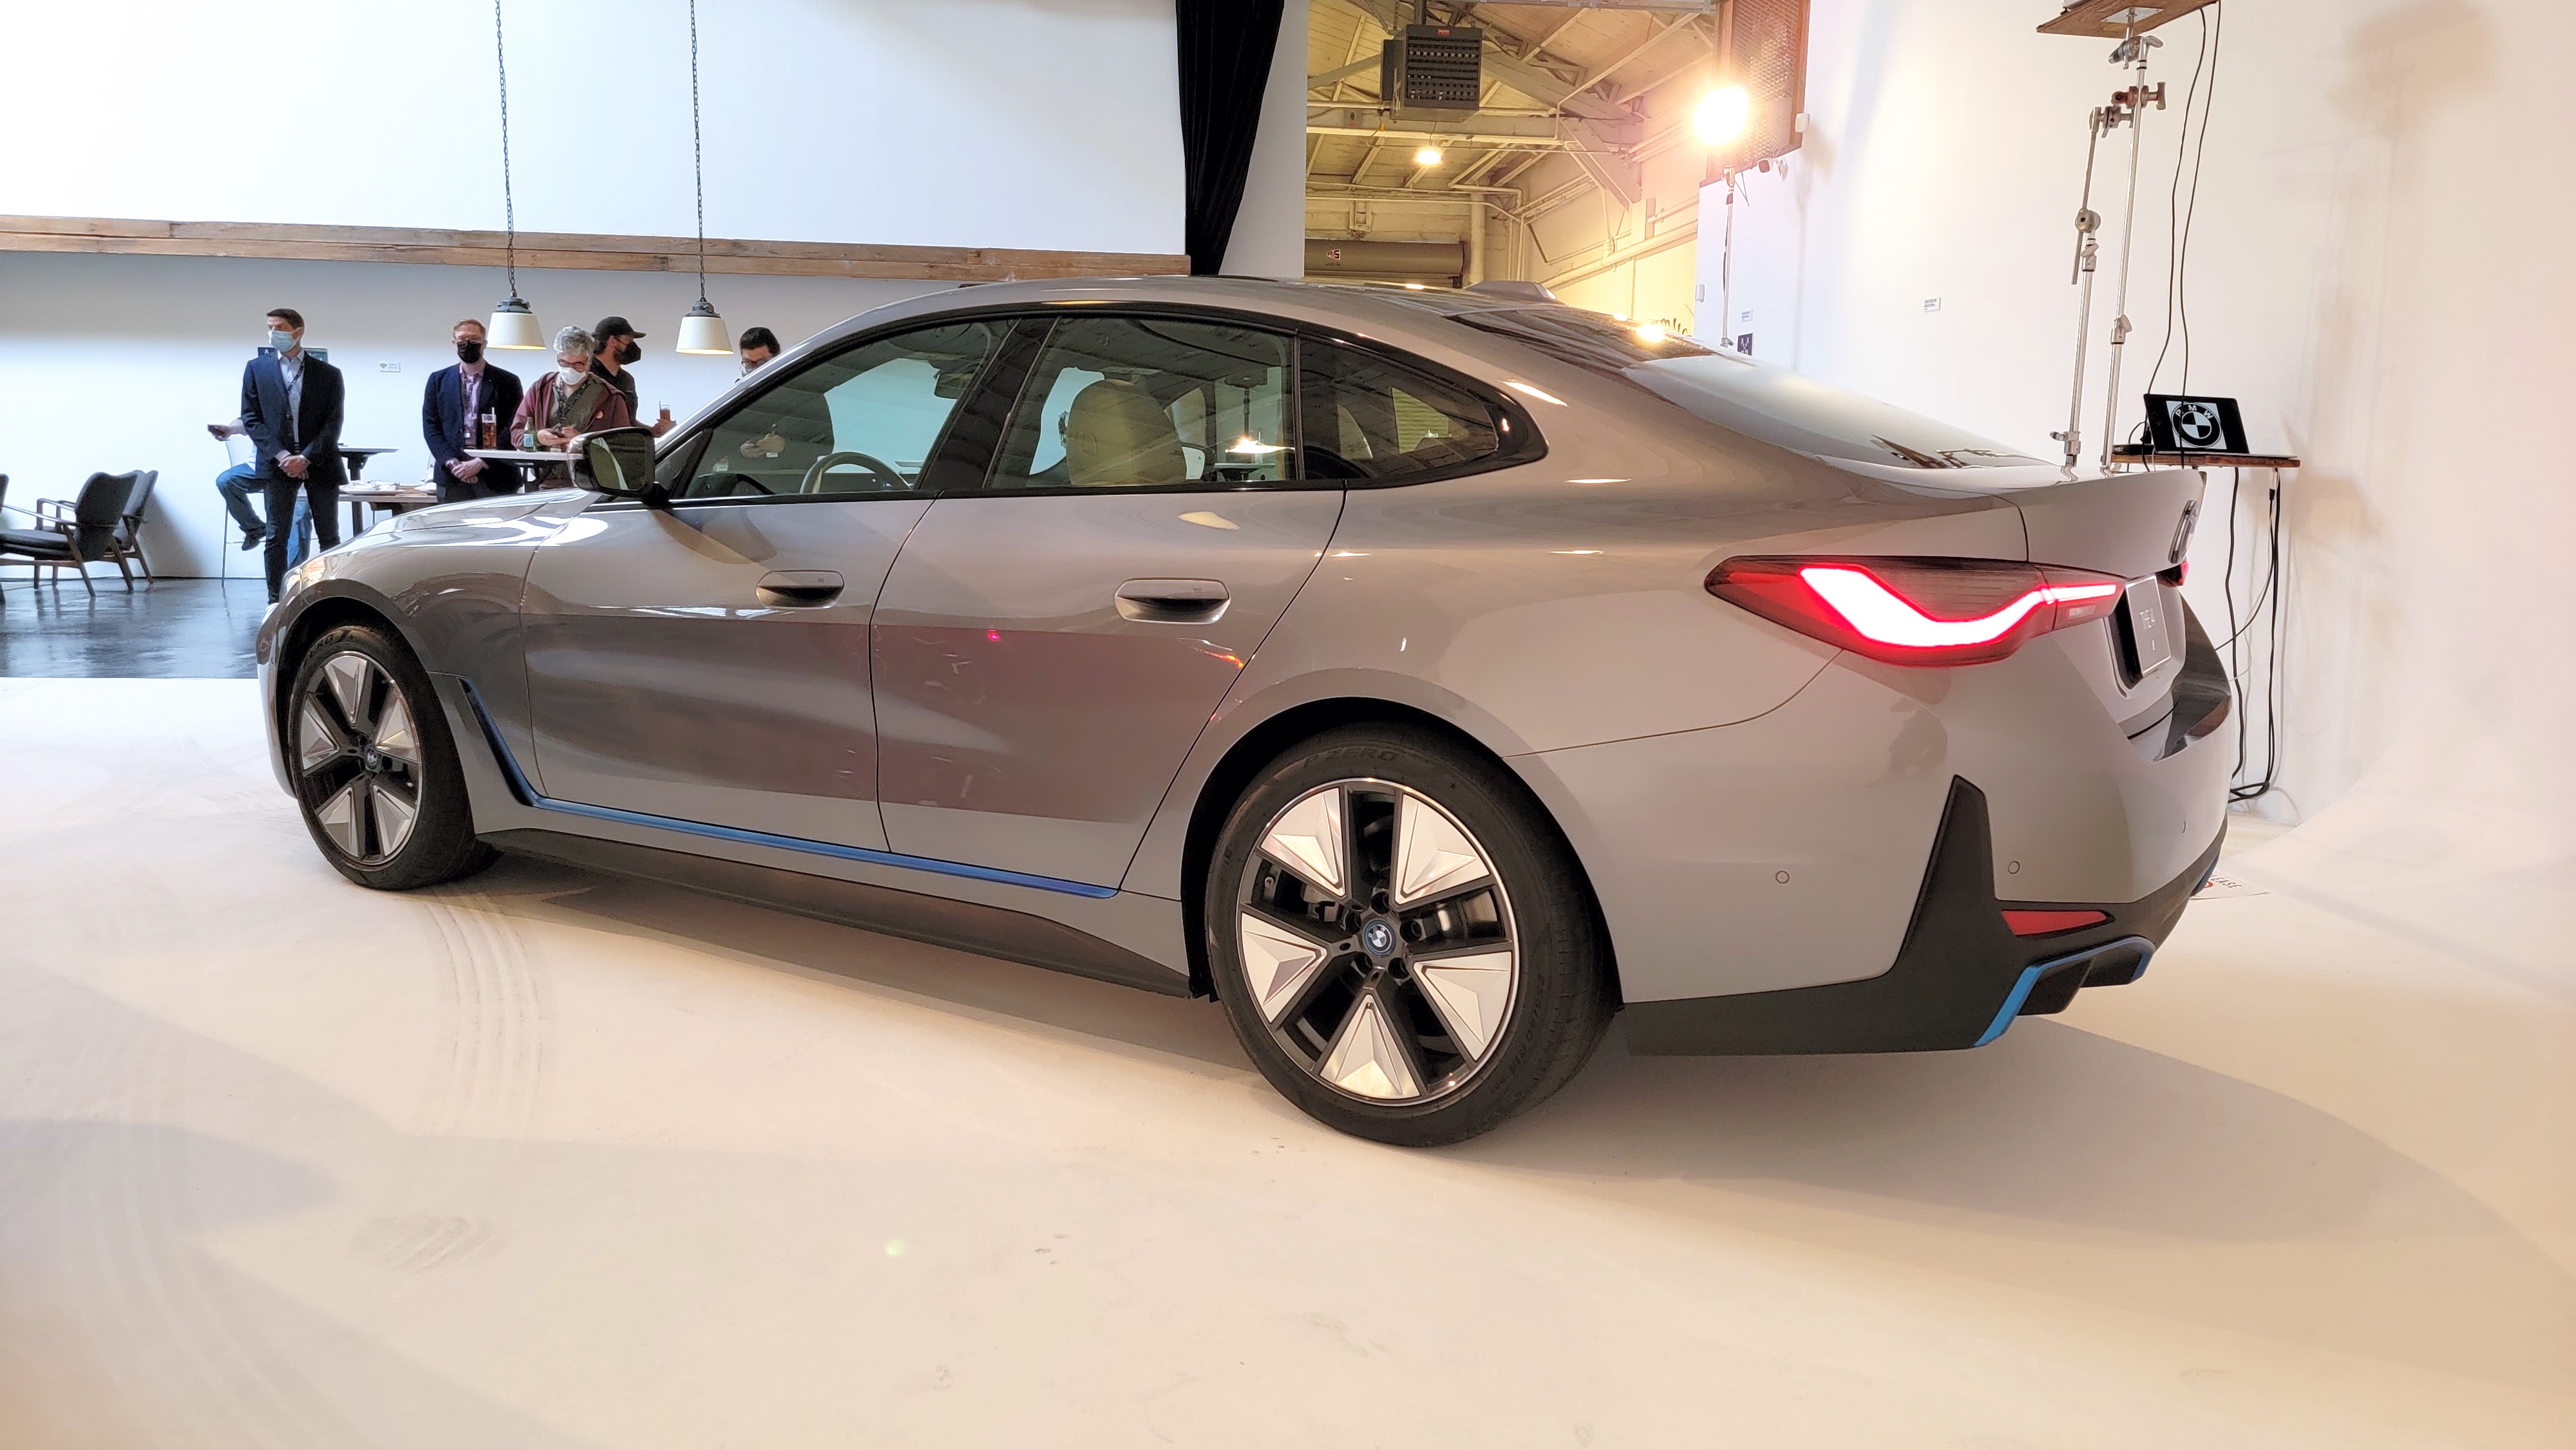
(1172, 601)
(799, 588)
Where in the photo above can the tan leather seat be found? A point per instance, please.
(1117, 436)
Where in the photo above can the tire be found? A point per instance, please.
(1439, 971)
(375, 770)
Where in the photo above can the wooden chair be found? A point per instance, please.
(76, 534)
(129, 527)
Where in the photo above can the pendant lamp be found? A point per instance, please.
(513, 325)
(701, 332)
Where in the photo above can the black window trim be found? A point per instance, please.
(1527, 445)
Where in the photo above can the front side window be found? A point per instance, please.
(1123, 402)
(1367, 418)
(861, 422)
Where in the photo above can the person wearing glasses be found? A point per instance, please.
(566, 402)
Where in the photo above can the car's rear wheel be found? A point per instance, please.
(1401, 939)
(376, 773)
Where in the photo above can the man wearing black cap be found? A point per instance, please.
(619, 344)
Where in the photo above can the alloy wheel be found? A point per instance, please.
(1377, 941)
(358, 751)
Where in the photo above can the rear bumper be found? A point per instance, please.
(1959, 979)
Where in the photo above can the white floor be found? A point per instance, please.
(554, 1160)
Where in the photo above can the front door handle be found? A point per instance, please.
(799, 588)
(1171, 601)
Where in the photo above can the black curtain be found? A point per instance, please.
(1225, 66)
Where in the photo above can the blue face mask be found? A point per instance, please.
(284, 342)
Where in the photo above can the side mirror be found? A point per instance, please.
(617, 462)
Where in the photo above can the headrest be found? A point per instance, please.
(1117, 436)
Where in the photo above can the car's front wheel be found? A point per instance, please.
(1402, 941)
(376, 773)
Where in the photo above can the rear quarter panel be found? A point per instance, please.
(1562, 603)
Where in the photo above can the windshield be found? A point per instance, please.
(1756, 399)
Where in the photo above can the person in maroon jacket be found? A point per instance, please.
(568, 402)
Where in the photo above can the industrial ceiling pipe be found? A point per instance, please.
(1423, 260)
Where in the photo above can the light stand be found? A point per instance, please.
(2088, 247)
(2127, 108)
(1726, 270)
(2133, 49)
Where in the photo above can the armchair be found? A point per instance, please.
(73, 535)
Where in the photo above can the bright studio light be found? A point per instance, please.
(1650, 332)
(1721, 115)
(1427, 156)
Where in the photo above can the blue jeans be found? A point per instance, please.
(239, 484)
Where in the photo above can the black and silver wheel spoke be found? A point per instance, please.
(358, 748)
(1377, 941)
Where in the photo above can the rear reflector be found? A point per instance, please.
(2049, 923)
(1916, 611)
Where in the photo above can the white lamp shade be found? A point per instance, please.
(703, 332)
(515, 327)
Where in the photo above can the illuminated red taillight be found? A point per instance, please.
(1916, 611)
(2049, 923)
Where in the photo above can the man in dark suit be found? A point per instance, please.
(452, 410)
(291, 407)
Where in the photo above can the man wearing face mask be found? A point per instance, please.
(618, 344)
(291, 408)
(452, 412)
(567, 402)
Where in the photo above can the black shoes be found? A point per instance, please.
(253, 541)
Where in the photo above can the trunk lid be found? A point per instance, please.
(2123, 524)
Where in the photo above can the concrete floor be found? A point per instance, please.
(159, 629)
(554, 1160)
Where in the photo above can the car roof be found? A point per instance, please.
(1381, 312)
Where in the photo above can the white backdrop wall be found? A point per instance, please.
(2367, 274)
(111, 363)
(987, 123)
(1003, 123)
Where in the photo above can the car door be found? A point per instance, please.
(1050, 645)
(708, 662)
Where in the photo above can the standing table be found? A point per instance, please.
(383, 498)
(536, 456)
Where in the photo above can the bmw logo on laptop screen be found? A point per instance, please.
(2194, 425)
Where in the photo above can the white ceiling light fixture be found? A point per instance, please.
(702, 332)
(514, 324)
(1429, 155)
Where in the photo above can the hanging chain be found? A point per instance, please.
(509, 208)
(697, 150)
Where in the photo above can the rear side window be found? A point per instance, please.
(1758, 400)
(1150, 403)
(1367, 418)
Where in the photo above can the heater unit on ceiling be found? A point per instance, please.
(1763, 48)
(1432, 70)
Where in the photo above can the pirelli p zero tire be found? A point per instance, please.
(1401, 939)
(375, 769)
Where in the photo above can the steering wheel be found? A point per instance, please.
(829, 461)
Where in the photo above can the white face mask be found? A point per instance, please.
(283, 342)
(567, 375)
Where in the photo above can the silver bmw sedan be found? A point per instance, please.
(1426, 677)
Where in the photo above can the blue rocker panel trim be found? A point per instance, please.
(528, 796)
